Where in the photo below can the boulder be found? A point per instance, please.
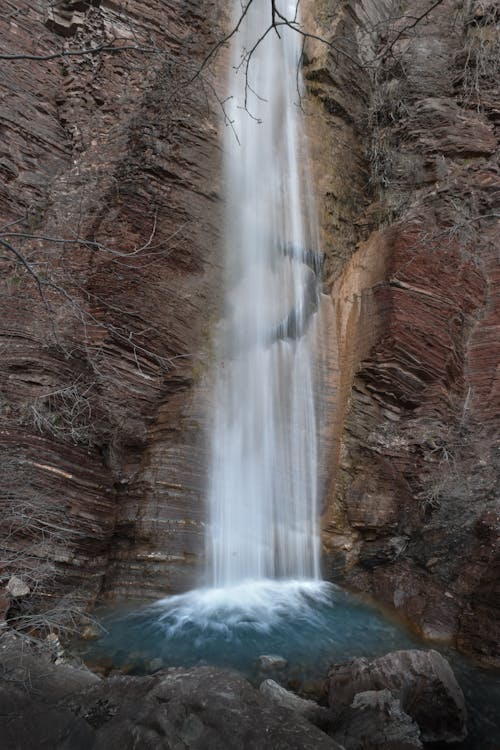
(376, 721)
(308, 709)
(269, 662)
(192, 709)
(422, 681)
(30, 665)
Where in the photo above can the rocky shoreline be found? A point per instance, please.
(401, 701)
(103, 406)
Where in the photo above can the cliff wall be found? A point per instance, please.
(110, 216)
(409, 96)
(109, 206)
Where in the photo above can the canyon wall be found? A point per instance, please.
(406, 97)
(109, 206)
(110, 219)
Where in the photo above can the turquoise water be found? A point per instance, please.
(310, 624)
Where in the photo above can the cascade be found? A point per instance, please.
(263, 590)
(265, 596)
(263, 474)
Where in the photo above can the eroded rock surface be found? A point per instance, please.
(109, 197)
(303, 707)
(194, 709)
(376, 721)
(422, 681)
(414, 459)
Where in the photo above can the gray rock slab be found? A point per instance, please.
(423, 681)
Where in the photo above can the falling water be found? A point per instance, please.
(263, 489)
(264, 463)
(265, 590)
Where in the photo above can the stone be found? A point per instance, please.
(75, 127)
(91, 632)
(453, 131)
(64, 22)
(191, 709)
(110, 146)
(375, 721)
(155, 664)
(30, 662)
(269, 662)
(17, 588)
(301, 706)
(423, 682)
(417, 332)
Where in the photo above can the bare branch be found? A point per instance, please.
(417, 19)
(83, 312)
(222, 42)
(79, 52)
(24, 263)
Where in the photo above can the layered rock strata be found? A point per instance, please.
(109, 220)
(409, 95)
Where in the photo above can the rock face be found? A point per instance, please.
(190, 709)
(422, 681)
(301, 706)
(375, 720)
(108, 224)
(411, 242)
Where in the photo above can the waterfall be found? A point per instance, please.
(264, 594)
(263, 474)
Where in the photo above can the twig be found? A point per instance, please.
(79, 52)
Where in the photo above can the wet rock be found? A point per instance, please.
(155, 664)
(423, 682)
(91, 632)
(301, 706)
(269, 662)
(186, 708)
(375, 721)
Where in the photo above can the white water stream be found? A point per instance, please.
(264, 468)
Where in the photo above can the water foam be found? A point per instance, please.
(260, 605)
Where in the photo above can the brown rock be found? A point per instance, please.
(101, 426)
(441, 125)
(417, 400)
(64, 21)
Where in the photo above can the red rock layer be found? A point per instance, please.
(415, 519)
(103, 334)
